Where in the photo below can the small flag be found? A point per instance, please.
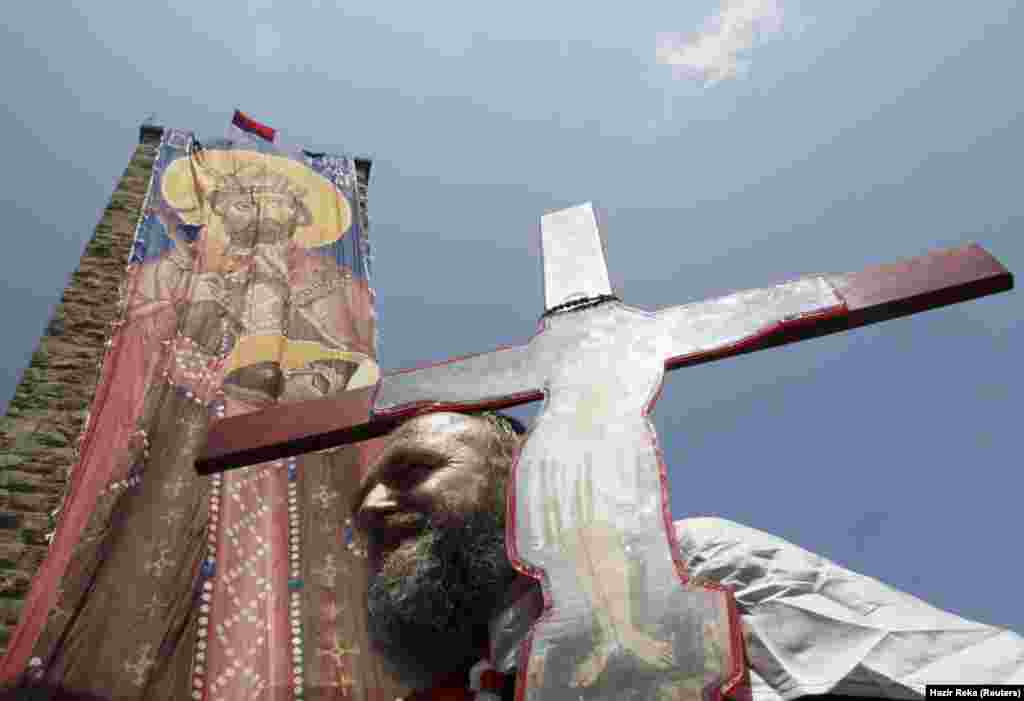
(246, 123)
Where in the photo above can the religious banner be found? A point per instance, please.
(247, 287)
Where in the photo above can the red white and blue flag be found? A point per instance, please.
(250, 125)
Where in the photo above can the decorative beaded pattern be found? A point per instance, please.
(207, 571)
(239, 633)
(326, 283)
(295, 576)
(195, 374)
(134, 476)
(353, 543)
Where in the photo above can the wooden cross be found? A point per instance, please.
(588, 504)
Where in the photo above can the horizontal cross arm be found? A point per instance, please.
(493, 380)
(291, 429)
(815, 306)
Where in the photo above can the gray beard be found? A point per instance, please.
(428, 608)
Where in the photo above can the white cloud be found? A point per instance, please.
(717, 51)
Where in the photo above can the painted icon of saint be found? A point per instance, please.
(259, 290)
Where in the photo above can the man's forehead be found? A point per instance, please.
(438, 431)
(425, 439)
(443, 423)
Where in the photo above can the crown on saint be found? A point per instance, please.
(188, 180)
(261, 181)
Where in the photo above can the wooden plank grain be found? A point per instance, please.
(939, 278)
(936, 279)
(291, 429)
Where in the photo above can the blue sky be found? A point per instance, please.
(785, 138)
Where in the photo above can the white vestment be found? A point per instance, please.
(813, 627)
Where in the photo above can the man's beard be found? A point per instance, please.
(434, 596)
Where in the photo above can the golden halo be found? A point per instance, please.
(187, 181)
(290, 354)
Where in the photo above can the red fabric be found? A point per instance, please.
(448, 693)
(247, 123)
(491, 680)
(134, 359)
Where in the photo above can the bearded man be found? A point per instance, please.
(444, 603)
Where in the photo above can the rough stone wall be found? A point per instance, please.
(39, 434)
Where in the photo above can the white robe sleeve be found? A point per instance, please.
(812, 627)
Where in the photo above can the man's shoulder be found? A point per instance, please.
(702, 532)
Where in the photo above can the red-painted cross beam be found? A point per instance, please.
(588, 504)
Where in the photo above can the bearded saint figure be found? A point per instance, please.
(269, 287)
(289, 322)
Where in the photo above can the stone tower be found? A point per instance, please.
(39, 436)
(48, 411)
